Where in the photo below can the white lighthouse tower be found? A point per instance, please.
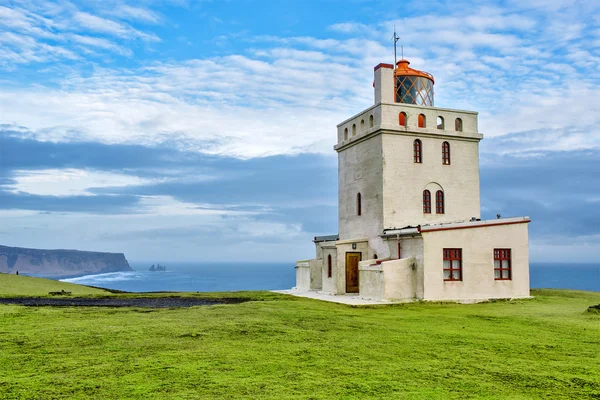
(409, 205)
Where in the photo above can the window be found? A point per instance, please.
(418, 153)
(329, 266)
(346, 134)
(399, 251)
(453, 264)
(375, 257)
(422, 121)
(440, 122)
(353, 129)
(439, 202)
(458, 125)
(358, 205)
(402, 119)
(371, 121)
(446, 153)
(426, 202)
(502, 270)
(362, 125)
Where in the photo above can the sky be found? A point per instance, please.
(204, 130)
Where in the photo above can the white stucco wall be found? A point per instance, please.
(360, 171)
(329, 283)
(399, 279)
(303, 275)
(404, 180)
(371, 280)
(477, 246)
(316, 277)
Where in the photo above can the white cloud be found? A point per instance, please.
(69, 182)
(286, 94)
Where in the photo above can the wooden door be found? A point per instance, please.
(352, 260)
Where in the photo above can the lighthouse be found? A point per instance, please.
(409, 205)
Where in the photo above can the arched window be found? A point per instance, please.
(358, 205)
(371, 121)
(362, 125)
(440, 123)
(422, 121)
(439, 202)
(353, 129)
(346, 134)
(426, 204)
(375, 257)
(329, 266)
(446, 153)
(418, 151)
(458, 125)
(402, 118)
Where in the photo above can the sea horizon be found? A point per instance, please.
(234, 276)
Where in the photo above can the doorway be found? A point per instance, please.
(352, 260)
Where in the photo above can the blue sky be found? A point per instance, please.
(169, 130)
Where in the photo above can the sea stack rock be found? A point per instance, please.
(60, 262)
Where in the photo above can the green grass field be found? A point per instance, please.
(280, 347)
(19, 285)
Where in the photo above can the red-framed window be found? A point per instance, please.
(329, 267)
(418, 151)
(439, 202)
(446, 153)
(502, 265)
(358, 204)
(402, 119)
(426, 202)
(453, 264)
(422, 121)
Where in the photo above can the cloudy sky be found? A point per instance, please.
(203, 130)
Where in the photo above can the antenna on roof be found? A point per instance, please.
(395, 39)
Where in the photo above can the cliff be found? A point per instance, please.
(60, 262)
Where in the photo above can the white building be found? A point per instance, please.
(409, 207)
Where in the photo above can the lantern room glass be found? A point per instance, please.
(414, 90)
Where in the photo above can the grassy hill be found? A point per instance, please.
(281, 347)
(19, 285)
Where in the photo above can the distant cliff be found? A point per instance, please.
(60, 262)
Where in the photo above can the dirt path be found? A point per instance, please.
(159, 302)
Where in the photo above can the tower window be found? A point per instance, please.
(422, 121)
(402, 118)
(358, 205)
(346, 134)
(446, 153)
(353, 129)
(426, 205)
(418, 151)
(440, 122)
(329, 267)
(453, 264)
(362, 125)
(458, 126)
(439, 202)
(502, 270)
(371, 121)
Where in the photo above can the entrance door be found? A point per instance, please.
(352, 260)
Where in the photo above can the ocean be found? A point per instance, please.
(219, 277)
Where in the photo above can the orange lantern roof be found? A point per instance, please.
(402, 69)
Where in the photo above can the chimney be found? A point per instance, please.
(384, 83)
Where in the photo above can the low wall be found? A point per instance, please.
(370, 280)
(399, 279)
(303, 275)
